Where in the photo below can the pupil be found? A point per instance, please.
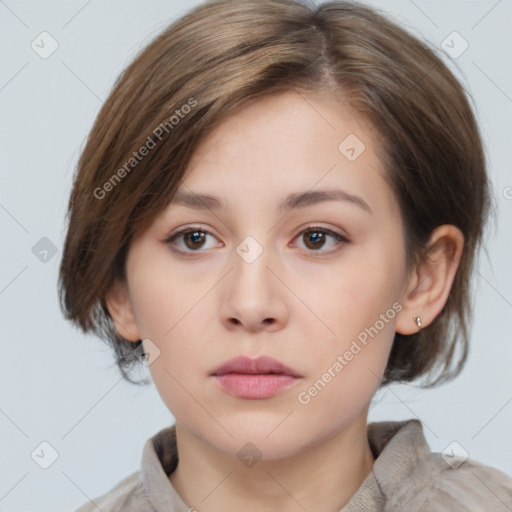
(196, 237)
(316, 237)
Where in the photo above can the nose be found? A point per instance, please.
(253, 297)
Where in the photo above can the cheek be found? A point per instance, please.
(347, 368)
(358, 313)
(163, 297)
(172, 311)
(179, 371)
(356, 298)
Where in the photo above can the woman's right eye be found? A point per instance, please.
(189, 239)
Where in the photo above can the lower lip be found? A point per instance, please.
(255, 386)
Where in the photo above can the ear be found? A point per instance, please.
(429, 284)
(121, 311)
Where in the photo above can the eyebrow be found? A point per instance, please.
(199, 201)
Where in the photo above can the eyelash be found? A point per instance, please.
(340, 239)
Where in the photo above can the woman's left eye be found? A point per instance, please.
(314, 239)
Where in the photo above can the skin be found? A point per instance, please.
(298, 302)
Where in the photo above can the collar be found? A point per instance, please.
(398, 448)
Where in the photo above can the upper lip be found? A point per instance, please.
(260, 365)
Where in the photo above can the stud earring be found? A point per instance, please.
(417, 319)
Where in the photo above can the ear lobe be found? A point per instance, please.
(429, 285)
(120, 308)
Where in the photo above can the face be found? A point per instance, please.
(310, 281)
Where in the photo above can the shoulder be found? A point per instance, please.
(148, 488)
(469, 487)
(412, 478)
(128, 495)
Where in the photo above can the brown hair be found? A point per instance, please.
(217, 59)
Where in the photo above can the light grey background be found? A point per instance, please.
(61, 387)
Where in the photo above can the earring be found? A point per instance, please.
(417, 319)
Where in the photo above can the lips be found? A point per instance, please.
(255, 379)
(260, 366)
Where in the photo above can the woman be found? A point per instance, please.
(277, 211)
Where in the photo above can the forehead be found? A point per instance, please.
(282, 121)
(286, 144)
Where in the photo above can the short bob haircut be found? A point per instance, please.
(212, 63)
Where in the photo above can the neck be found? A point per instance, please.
(210, 480)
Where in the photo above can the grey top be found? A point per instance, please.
(406, 477)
